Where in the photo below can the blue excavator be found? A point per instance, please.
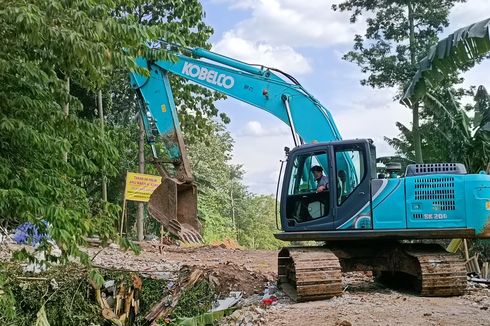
(365, 222)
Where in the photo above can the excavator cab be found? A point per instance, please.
(348, 166)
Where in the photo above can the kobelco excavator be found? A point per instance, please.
(361, 218)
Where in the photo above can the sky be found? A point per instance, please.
(307, 40)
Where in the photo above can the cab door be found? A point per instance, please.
(302, 207)
(352, 202)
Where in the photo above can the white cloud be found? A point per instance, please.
(276, 56)
(466, 13)
(296, 23)
(371, 113)
(261, 159)
(256, 129)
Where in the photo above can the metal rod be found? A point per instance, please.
(277, 193)
(227, 61)
(285, 99)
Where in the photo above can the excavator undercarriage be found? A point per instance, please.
(315, 273)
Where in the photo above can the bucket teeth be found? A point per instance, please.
(174, 205)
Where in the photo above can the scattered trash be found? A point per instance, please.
(482, 281)
(230, 301)
(37, 266)
(54, 285)
(247, 316)
(268, 298)
(28, 233)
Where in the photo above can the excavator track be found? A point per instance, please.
(309, 273)
(441, 274)
(314, 273)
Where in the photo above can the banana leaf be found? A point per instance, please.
(464, 46)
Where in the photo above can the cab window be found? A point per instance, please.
(350, 170)
(305, 203)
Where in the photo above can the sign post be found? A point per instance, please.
(138, 187)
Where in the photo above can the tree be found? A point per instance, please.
(398, 32)
(451, 133)
(43, 44)
(210, 161)
(257, 226)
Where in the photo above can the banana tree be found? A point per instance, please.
(456, 52)
(464, 139)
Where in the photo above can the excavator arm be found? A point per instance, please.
(174, 203)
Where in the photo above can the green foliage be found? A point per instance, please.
(225, 205)
(208, 318)
(196, 300)
(461, 49)
(58, 53)
(44, 44)
(257, 226)
(210, 160)
(7, 301)
(450, 133)
(72, 301)
(385, 51)
(93, 45)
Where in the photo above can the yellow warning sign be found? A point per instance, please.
(139, 187)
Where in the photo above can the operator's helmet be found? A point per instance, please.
(316, 168)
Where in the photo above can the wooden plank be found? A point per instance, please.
(484, 272)
(466, 252)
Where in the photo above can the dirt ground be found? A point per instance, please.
(367, 303)
(363, 302)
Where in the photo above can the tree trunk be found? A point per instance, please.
(415, 107)
(101, 117)
(66, 111)
(141, 169)
(232, 202)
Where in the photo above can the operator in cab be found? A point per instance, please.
(321, 180)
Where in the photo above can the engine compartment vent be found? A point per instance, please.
(435, 168)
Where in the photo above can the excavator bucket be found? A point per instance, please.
(174, 204)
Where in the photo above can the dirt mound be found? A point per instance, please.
(231, 277)
(226, 244)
